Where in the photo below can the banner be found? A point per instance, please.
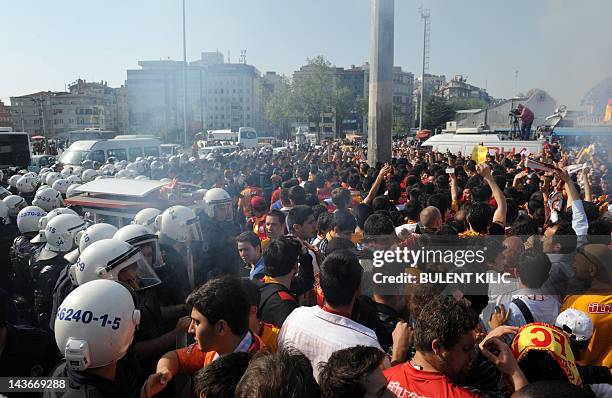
(479, 154)
(575, 168)
(535, 165)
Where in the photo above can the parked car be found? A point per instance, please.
(40, 161)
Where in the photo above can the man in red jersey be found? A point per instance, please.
(445, 342)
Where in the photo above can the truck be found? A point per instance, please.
(15, 150)
(464, 141)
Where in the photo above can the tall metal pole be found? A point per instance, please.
(425, 18)
(184, 78)
(380, 107)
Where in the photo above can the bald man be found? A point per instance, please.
(431, 219)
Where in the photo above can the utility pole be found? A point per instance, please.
(426, 29)
(380, 107)
(184, 78)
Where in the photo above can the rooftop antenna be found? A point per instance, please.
(242, 57)
(425, 15)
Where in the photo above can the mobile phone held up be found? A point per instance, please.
(450, 170)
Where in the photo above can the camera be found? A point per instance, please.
(514, 112)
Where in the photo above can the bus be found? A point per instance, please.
(15, 150)
(245, 136)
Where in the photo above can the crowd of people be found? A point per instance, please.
(265, 286)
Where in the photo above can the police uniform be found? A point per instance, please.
(217, 254)
(8, 233)
(45, 273)
(29, 352)
(23, 286)
(85, 385)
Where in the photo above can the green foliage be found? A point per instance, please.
(437, 112)
(279, 109)
(312, 92)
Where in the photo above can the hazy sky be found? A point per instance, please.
(562, 46)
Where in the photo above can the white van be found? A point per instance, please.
(119, 148)
(465, 143)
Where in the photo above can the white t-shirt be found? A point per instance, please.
(318, 334)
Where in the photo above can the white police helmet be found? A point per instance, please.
(180, 224)
(42, 223)
(61, 231)
(27, 184)
(52, 177)
(28, 218)
(14, 203)
(116, 260)
(48, 199)
(95, 324)
(143, 238)
(88, 236)
(61, 185)
(66, 172)
(89, 175)
(146, 217)
(12, 181)
(74, 179)
(218, 204)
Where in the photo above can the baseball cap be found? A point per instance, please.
(576, 323)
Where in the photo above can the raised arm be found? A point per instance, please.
(502, 207)
(376, 185)
(588, 196)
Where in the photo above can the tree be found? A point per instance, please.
(314, 90)
(343, 104)
(399, 122)
(437, 112)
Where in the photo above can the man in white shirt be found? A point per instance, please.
(530, 303)
(319, 331)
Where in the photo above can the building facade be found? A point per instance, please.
(5, 116)
(458, 87)
(433, 83)
(234, 97)
(217, 95)
(403, 106)
(85, 105)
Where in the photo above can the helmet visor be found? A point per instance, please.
(194, 230)
(149, 247)
(133, 269)
(223, 211)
